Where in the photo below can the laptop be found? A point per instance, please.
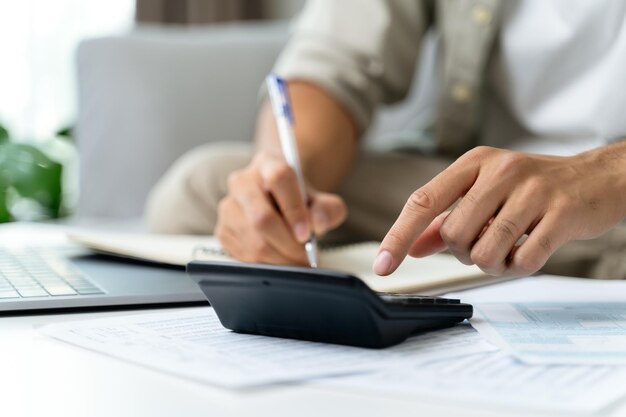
(37, 278)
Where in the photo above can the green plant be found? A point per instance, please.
(4, 135)
(27, 173)
(66, 132)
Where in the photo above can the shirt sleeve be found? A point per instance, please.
(363, 52)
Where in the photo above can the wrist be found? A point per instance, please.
(267, 141)
(608, 164)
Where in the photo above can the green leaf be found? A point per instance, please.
(5, 216)
(66, 132)
(4, 134)
(32, 174)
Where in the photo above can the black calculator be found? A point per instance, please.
(318, 305)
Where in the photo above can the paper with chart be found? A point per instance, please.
(193, 344)
(497, 379)
(557, 332)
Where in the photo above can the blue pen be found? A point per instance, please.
(279, 97)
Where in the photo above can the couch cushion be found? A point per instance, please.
(147, 97)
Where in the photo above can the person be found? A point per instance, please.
(527, 140)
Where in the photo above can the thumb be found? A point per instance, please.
(328, 211)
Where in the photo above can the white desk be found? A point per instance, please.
(45, 377)
(40, 376)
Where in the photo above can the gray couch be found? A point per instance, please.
(147, 97)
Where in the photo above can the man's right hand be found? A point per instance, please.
(264, 218)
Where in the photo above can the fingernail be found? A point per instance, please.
(301, 231)
(320, 221)
(382, 264)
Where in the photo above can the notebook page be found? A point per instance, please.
(413, 275)
(192, 343)
(167, 249)
(433, 275)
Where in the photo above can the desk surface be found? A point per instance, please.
(41, 376)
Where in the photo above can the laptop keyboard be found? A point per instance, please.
(26, 273)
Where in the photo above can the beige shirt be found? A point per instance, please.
(364, 52)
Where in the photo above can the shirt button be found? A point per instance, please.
(461, 92)
(482, 15)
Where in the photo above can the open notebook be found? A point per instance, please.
(433, 275)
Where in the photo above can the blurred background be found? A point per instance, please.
(67, 65)
(98, 98)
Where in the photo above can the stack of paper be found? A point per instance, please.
(194, 344)
(564, 352)
(499, 380)
(568, 349)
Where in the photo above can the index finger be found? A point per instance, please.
(420, 210)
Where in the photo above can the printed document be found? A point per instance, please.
(496, 379)
(193, 344)
(557, 332)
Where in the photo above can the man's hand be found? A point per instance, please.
(264, 219)
(505, 197)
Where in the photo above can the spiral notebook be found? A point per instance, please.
(436, 274)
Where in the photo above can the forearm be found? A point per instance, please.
(325, 132)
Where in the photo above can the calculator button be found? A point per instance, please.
(422, 300)
(412, 299)
(407, 299)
